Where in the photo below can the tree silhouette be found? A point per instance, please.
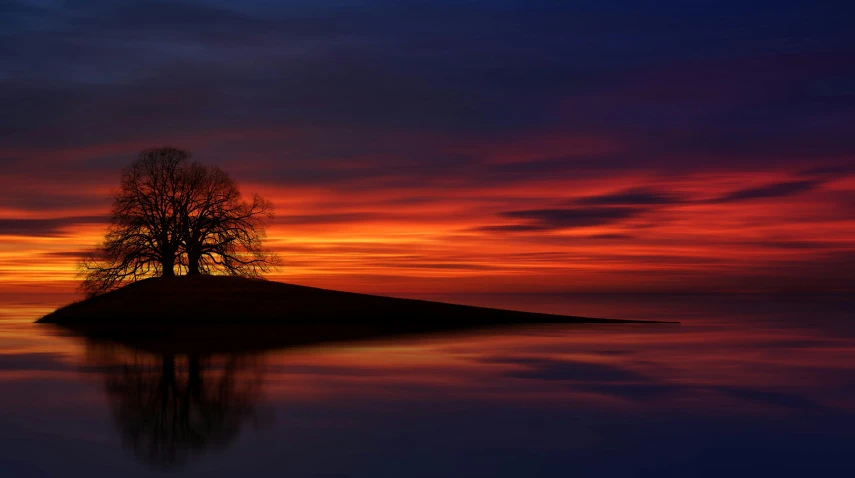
(170, 213)
(218, 230)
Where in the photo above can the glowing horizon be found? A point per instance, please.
(695, 232)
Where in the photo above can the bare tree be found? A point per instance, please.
(141, 240)
(169, 213)
(219, 230)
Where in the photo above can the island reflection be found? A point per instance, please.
(170, 408)
(566, 392)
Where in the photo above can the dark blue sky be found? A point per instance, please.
(738, 75)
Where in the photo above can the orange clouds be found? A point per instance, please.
(634, 230)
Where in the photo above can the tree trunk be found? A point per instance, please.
(169, 267)
(193, 263)
(168, 263)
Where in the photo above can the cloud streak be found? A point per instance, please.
(777, 190)
(50, 227)
(562, 218)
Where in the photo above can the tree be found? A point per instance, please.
(170, 213)
(218, 230)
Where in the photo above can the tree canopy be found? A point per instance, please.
(173, 216)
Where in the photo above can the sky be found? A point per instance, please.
(451, 146)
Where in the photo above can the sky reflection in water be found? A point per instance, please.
(748, 386)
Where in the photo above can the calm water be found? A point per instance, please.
(748, 386)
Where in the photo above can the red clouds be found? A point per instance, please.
(389, 230)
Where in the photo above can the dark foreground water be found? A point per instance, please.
(746, 386)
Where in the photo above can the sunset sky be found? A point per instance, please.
(451, 146)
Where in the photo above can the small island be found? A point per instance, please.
(208, 314)
(223, 313)
(181, 266)
(208, 299)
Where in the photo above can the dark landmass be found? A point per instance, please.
(223, 299)
(234, 314)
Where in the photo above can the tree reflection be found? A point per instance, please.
(169, 408)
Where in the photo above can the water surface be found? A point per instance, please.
(746, 385)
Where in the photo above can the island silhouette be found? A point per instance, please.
(180, 271)
(211, 314)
